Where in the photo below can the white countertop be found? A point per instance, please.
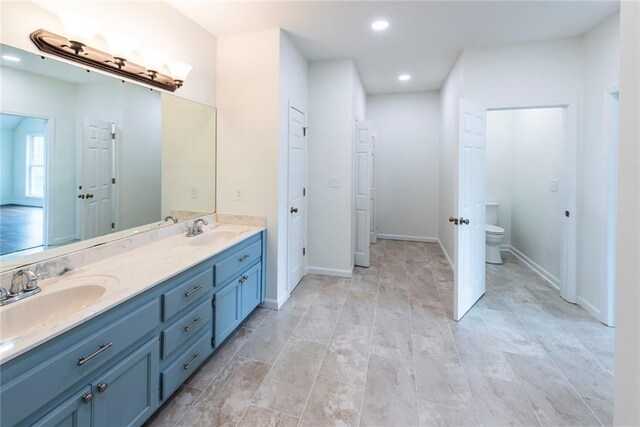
(124, 276)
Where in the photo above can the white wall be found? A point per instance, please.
(627, 384)
(293, 92)
(333, 107)
(524, 154)
(407, 157)
(450, 94)
(258, 74)
(601, 70)
(163, 29)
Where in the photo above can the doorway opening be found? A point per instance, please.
(528, 191)
(23, 186)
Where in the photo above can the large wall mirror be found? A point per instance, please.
(86, 158)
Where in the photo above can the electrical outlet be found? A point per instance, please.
(239, 194)
(194, 192)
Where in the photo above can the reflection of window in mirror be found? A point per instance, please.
(35, 166)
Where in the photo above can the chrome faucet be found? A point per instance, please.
(24, 283)
(196, 227)
(172, 218)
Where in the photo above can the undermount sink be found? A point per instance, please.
(214, 236)
(46, 308)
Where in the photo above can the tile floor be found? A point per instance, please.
(381, 349)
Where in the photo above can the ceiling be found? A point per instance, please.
(424, 38)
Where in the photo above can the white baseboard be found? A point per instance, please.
(270, 303)
(330, 272)
(408, 238)
(553, 281)
(588, 307)
(446, 254)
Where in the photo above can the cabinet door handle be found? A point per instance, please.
(102, 387)
(188, 365)
(194, 323)
(102, 348)
(243, 258)
(193, 291)
(87, 398)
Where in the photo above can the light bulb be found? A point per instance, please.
(179, 70)
(153, 60)
(120, 45)
(77, 28)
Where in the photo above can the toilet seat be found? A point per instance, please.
(494, 229)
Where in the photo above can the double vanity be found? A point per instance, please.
(108, 342)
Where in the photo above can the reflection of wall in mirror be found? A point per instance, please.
(188, 158)
(136, 112)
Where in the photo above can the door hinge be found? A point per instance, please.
(567, 214)
(113, 180)
(113, 225)
(213, 303)
(304, 131)
(304, 251)
(304, 191)
(213, 342)
(113, 131)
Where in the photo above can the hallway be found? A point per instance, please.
(381, 349)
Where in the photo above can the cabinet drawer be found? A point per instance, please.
(61, 371)
(236, 262)
(185, 365)
(186, 327)
(186, 292)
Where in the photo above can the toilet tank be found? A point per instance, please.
(492, 213)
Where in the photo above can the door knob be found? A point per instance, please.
(80, 196)
(89, 196)
(453, 220)
(464, 221)
(87, 398)
(293, 210)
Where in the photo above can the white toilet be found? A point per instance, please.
(494, 234)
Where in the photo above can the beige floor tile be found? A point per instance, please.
(287, 386)
(392, 298)
(256, 318)
(335, 290)
(510, 334)
(602, 409)
(347, 354)
(318, 322)
(390, 394)
(499, 402)
(553, 399)
(262, 417)
(302, 296)
(267, 341)
(226, 399)
(434, 415)
(359, 308)
(367, 281)
(214, 365)
(439, 375)
(392, 335)
(428, 319)
(332, 403)
(170, 413)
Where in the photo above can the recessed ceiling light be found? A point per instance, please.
(404, 77)
(380, 25)
(11, 58)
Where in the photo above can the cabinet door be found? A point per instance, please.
(128, 393)
(227, 311)
(75, 412)
(250, 290)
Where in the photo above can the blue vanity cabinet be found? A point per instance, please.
(74, 412)
(227, 311)
(127, 394)
(251, 290)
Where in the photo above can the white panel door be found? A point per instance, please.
(296, 195)
(362, 193)
(95, 194)
(374, 195)
(470, 237)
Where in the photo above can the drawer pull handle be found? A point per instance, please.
(102, 387)
(102, 348)
(87, 398)
(243, 258)
(188, 365)
(243, 279)
(194, 323)
(193, 291)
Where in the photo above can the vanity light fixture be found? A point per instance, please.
(380, 25)
(80, 31)
(77, 49)
(11, 58)
(404, 77)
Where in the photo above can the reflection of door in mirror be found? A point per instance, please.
(97, 178)
(23, 183)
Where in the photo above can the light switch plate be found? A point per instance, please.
(553, 185)
(194, 192)
(334, 183)
(239, 194)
